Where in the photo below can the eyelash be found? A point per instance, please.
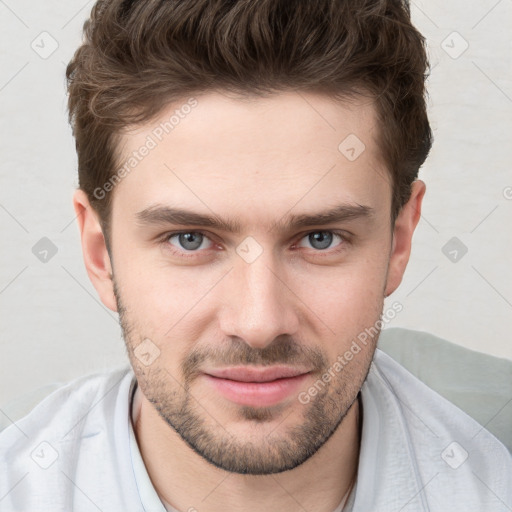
(345, 240)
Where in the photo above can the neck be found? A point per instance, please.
(186, 481)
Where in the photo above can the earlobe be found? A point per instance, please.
(94, 249)
(405, 224)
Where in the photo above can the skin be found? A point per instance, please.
(254, 161)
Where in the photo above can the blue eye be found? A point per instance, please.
(192, 243)
(321, 240)
(190, 240)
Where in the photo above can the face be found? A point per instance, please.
(232, 321)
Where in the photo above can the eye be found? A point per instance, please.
(188, 241)
(192, 243)
(321, 240)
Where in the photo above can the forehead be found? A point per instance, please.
(218, 154)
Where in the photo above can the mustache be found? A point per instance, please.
(281, 351)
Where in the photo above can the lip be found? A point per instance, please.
(256, 387)
(252, 374)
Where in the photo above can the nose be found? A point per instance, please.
(258, 302)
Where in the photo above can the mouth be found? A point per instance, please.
(256, 387)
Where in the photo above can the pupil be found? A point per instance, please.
(190, 238)
(323, 237)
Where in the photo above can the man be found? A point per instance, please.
(248, 196)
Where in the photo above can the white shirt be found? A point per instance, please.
(76, 451)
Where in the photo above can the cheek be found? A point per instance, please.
(353, 289)
(167, 305)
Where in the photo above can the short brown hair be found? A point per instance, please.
(140, 55)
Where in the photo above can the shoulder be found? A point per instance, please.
(65, 405)
(73, 433)
(456, 459)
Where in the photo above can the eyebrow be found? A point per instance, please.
(160, 214)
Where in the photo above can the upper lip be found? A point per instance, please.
(253, 374)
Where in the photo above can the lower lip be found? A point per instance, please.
(257, 394)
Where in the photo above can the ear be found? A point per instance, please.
(94, 249)
(405, 225)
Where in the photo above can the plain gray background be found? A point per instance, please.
(53, 326)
